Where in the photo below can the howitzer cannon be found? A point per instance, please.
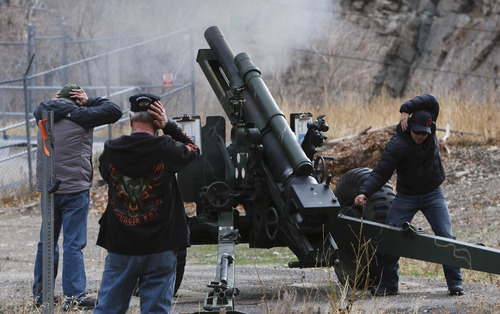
(268, 174)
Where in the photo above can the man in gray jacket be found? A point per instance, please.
(75, 116)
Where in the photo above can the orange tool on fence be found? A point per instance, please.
(44, 135)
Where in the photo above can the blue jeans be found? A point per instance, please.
(156, 276)
(70, 213)
(403, 209)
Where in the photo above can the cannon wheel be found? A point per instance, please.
(369, 263)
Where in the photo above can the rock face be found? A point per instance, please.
(447, 37)
(404, 46)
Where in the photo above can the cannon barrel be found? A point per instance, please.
(275, 119)
(280, 144)
(225, 57)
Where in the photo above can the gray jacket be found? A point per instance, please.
(73, 139)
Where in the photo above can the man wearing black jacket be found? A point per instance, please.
(145, 222)
(414, 153)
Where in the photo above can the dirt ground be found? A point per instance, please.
(263, 289)
(471, 188)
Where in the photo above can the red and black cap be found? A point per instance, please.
(421, 122)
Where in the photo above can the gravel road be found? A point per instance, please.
(472, 192)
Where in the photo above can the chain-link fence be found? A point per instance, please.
(114, 68)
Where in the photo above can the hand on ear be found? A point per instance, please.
(404, 120)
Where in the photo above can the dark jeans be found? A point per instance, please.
(156, 275)
(403, 209)
(70, 214)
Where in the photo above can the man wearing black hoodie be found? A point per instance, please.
(75, 116)
(145, 221)
(414, 153)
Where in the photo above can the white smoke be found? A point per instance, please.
(263, 29)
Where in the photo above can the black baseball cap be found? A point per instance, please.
(142, 101)
(421, 122)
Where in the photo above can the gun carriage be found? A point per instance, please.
(266, 189)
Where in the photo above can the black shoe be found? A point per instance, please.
(382, 291)
(85, 304)
(455, 290)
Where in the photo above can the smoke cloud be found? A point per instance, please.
(264, 29)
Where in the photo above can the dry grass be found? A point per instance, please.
(352, 113)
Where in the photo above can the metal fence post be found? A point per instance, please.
(31, 51)
(64, 53)
(46, 126)
(4, 109)
(191, 57)
(108, 91)
(27, 106)
(33, 69)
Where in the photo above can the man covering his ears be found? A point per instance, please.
(145, 222)
(75, 116)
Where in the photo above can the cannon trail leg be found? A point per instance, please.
(223, 290)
